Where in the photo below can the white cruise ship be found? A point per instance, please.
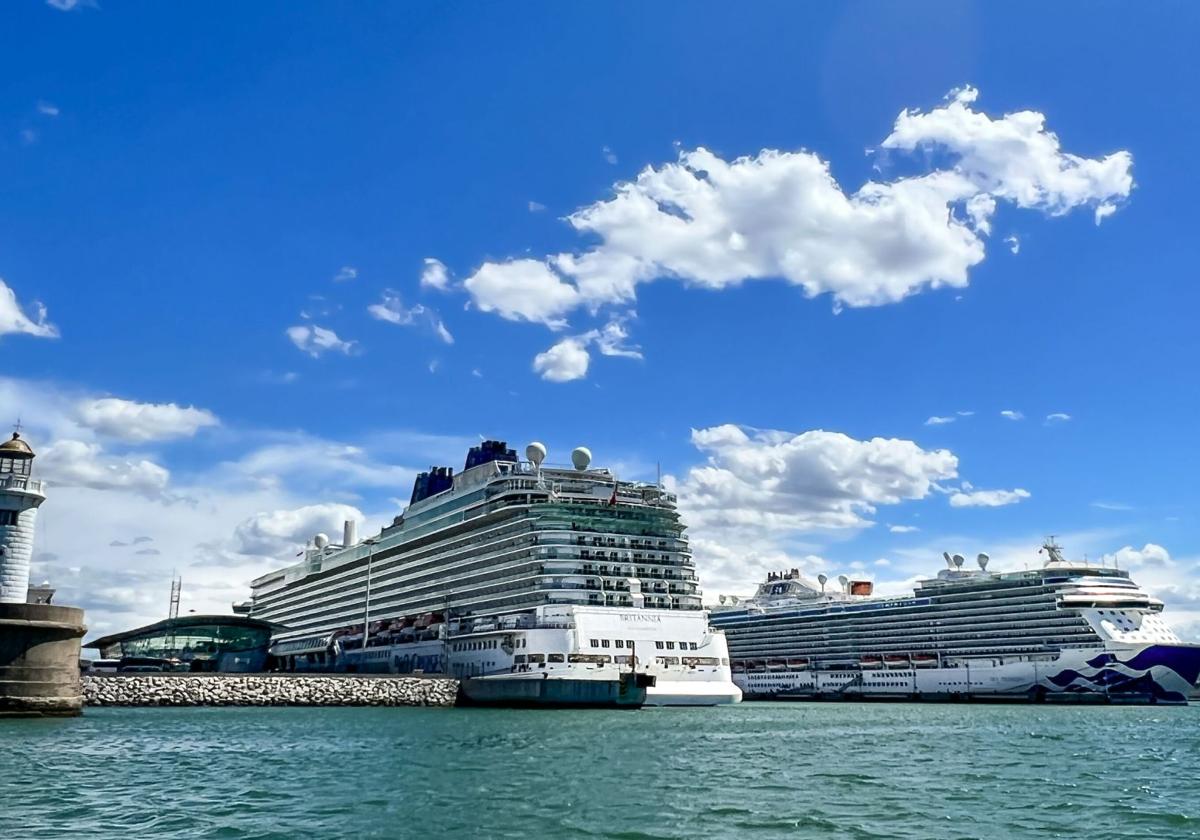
(530, 583)
(1064, 631)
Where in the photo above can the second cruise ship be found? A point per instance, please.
(532, 584)
(1064, 631)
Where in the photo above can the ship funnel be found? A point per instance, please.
(959, 560)
(982, 559)
(581, 456)
(535, 453)
(349, 533)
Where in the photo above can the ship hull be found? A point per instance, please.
(539, 691)
(1136, 674)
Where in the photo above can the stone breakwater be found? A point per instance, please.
(266, 690)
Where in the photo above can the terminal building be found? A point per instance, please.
(221, 643)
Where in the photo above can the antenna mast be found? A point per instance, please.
(176, 586)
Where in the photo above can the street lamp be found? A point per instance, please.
(371, 543)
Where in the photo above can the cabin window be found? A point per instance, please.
(604, 643)
(595, 643)
(658, 645)
(620, 643)
(629, 643)
(555, 657)
(537, 657)
(519, 659)
(670, 646)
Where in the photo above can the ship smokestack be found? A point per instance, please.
(349, 533)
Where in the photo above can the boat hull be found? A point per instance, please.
(543, 692)
(1140, 674)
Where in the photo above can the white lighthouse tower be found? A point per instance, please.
(20, 495)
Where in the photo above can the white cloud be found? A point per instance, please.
(536, 207)
(965, 413)
(74, 463)
(279, 532)
(986, 498)
(28, 136)
(393, 311)
(565, 361)
(938, 421)
(345, 274)
(316, 341)
(1150, 554)
(1058, 417)
(1104, 211)
(136, 421)
(523, 290)
(715, 223)
(13, 319)
(70, 5)
(903, 529)
(610, 157)
(1014, 158)
(1014, 244)
(435, 275)
(1102, 505)
(1010, 414)
(47, 109)
(803, 482)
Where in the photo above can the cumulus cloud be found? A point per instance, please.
(1014, 244)
(968, 497)
(316, 341)
(903, 529)
(1010, 414)
(523, 290)
(808, 481)
(74, 463)
(1058, 417)
(569, 358)
(565, 361)
(715, 223)
(136, 421)
(939, 421)
(1150, 554)
(345, 274)
(13, 319)
(435, 275)
(392, 310)
(277, 532)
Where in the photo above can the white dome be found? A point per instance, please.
(581, 456)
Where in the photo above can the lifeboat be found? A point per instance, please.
(797, 664)
(870, 661)
(924, 660)
(895, 661)
(739, 667)
(776, 664)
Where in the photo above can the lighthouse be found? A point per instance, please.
(20, 496)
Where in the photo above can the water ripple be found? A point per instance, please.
(758, 770)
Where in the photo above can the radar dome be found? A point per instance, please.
(535, 453)
(843, 580)
(320, 540)
(959, 560)
(822, 578)
(721, 598)
(581, 457)
(982, 559)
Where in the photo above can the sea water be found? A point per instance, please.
(753, 770)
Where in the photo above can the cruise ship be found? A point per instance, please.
(1063, 631)
(531, 584)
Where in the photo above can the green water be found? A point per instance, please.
(755, 770)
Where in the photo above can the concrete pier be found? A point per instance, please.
(39, 660)
(267, 690)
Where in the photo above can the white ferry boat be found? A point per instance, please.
(531, 584)
(1064, 631)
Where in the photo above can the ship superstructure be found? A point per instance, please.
(509, 570)
(1062, 630)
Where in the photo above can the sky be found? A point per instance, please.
(866, 282)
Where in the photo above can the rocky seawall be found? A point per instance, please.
(266, 690)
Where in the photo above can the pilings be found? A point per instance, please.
(266, 690)
(39, 660)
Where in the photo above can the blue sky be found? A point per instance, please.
(183, 185)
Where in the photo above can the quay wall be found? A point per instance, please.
(266, 690)
(39, 659)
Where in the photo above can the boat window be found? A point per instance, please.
(670, 646)
(595, 643)
(555, 657)
(519, 659)
(658, 645)
(619, 643)
(629, 643)
(537, 657)
(604, 643)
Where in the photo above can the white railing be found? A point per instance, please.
(9, 481)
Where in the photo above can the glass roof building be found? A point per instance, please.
(227, 643)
